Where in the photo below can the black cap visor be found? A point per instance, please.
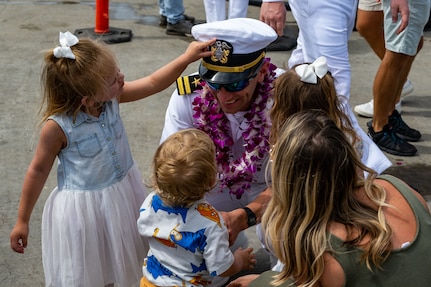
(234, 71)
(227, 78)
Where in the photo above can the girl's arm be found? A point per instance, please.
(52, 140)
(166, 75)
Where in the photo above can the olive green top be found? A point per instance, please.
(408, 266)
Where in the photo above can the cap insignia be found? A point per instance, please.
(221, 51)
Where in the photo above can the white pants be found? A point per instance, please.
(324, 30)
(215, 10)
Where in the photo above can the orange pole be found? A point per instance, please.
(102, 16)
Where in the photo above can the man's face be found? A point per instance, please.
(232, 102)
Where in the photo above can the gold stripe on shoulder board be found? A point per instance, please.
(188, 84)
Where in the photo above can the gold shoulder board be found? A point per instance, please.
(188, 84)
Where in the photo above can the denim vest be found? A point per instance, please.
(97, 154)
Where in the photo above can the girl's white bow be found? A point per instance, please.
(310, 72)
(67, 40)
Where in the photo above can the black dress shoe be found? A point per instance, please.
(163, 21)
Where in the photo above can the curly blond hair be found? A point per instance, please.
(184, 167)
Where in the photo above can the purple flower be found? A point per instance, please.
(237, 175)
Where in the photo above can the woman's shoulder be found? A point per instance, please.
(396, 186)
(266, 277)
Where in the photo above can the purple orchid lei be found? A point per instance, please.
(237, 175)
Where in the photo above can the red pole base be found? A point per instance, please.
(102, 31)
(102, 16)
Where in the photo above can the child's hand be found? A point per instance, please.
(18, 237)
(245, 257)
(197, 50)
(244, 260)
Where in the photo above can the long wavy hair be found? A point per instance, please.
(66, 81)
(314, 171)
(292, 95)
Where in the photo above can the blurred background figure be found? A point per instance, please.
(215, 10)
(173, 18)
(369, 23)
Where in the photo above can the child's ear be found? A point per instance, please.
(85, 101)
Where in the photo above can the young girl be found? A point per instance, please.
(188, 239)
(307, 87)
(89, 234)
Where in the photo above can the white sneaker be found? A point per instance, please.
(407, 88)
(366, 110)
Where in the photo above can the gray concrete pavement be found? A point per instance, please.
(29, 27)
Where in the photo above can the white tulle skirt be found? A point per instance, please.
(90, 238)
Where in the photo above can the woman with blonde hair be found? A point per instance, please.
(331, 227)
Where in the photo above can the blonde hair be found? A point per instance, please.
(314, 173)
(292, 95)
(66, 81)
(184, 167)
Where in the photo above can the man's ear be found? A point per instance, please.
(262, 71)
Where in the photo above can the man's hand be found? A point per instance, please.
(236, 221)
(402, 7)
(274, 14)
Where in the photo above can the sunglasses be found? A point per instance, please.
(232, 87)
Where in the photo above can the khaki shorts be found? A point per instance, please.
(407, 41)
(370, 5)
(145, 283)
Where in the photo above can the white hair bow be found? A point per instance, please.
(310, 72)
(67, 40)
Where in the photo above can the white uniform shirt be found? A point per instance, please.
(179, 116)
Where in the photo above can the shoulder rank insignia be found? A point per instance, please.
(188, 84)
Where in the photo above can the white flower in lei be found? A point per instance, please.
(237, 175)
